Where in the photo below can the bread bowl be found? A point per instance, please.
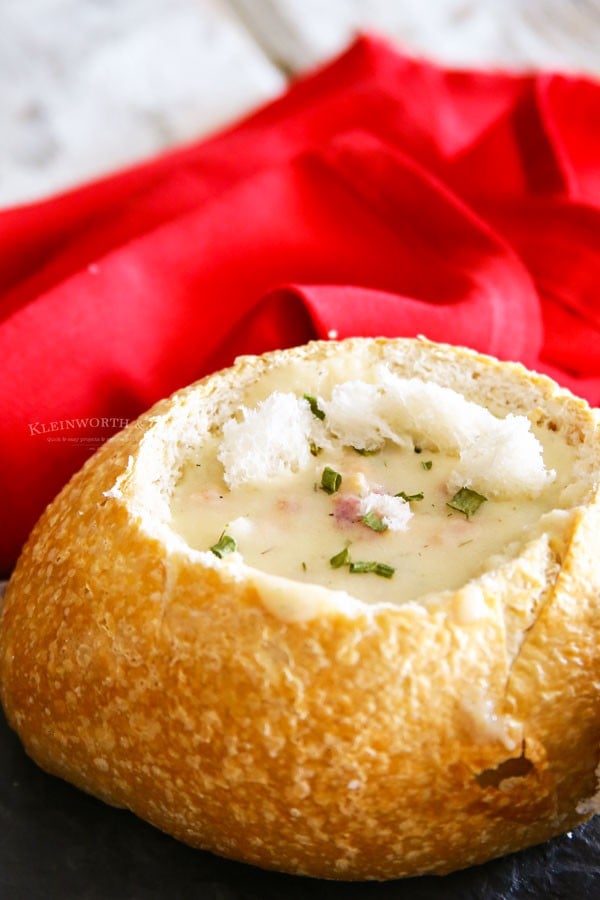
(415, 691)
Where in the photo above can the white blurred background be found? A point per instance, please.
(87, 86)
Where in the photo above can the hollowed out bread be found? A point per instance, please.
(320, 720)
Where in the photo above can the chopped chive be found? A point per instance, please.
(224, 545)
(382, 569)
(315, 449)
(362, 451)
(427, 464)
(362, 567)
(466, 501)
(314, 406)
(303, 566)
(330, 480)
(340, 559)
(409, 497)
(374, 521)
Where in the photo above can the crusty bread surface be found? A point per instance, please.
(294, 727)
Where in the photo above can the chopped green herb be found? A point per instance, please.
(374, 521)
(314, 406)
(376, 568)
(409, 497)
(384, 570)
(340, 559)
(304, 567)
(330, 480)
(314, 449)
(362, 567)
(466, 501)
(427, 464)
(224, 545)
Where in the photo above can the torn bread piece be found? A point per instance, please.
(332, 611)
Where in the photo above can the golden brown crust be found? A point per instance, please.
(391, 741)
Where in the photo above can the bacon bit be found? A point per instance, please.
(209, 495)
(453, 532)
(347, 508)
(288, 505)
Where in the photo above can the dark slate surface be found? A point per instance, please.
(56, 842)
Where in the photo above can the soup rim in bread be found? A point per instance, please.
(231, 685)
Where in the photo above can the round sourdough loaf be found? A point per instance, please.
(274, 720)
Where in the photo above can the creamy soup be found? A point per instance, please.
(385, 525)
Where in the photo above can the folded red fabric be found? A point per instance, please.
(381, 195)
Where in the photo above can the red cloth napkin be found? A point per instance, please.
(381, 195)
